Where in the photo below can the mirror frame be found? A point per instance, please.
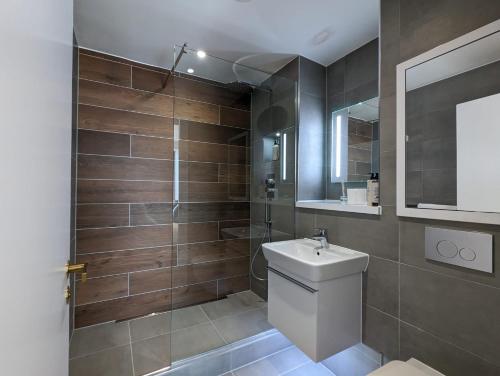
(438, 214)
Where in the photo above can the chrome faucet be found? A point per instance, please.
(321, 236)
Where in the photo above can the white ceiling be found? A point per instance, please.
(262, 33)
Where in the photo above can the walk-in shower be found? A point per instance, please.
(171, 223)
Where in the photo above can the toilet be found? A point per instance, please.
(412, 367)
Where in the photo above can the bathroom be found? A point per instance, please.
(239, 187)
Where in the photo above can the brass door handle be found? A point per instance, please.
(78, 269)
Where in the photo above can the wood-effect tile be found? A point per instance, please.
(117, 262)
(121, 98)
(120, 238)
(103, 143)
(102, 70)
(110, 120)
(102, 215)
(119, 191)
(99, 289)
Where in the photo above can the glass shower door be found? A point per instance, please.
(211, 211)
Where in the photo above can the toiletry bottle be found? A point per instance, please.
(374, 188)
(276, 150)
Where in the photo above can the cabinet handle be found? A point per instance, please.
(294, 281)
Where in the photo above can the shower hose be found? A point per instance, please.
(267, 234)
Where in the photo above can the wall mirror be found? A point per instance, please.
(352, 148)
(448, 130)
(351, 159)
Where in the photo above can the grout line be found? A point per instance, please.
(131, 77)
(131, 350)
(448, 343)
(165, 95)
(164, 202)
(450, 276)
(168, 181)
(156, 115)
(134, 89)
(399, 296)
(295, 368)
(121, 133)
(128, 284)
(158, 246)
(265, 357)
(123, 110)
(166, 225)
(147, 67)
(166, 290)
(75, 195)
(215, 327)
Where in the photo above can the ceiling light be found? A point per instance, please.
(278, 134)
(201, 54)
(190, 70)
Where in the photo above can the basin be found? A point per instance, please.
(314, 295)
(301, 258)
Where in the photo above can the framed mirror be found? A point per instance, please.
(448, 130)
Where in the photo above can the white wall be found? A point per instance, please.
(35, 116)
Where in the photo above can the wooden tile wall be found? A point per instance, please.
(139, 261)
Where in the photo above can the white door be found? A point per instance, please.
(35, 144)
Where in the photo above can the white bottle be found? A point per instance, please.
(276, 151)
(373, 190)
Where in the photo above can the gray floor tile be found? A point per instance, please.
(156, 325)
(186, 317)
(150, 326)
(236, 327)
(350, 362)
(97, 338)
(194, 340)
(112, 362)
(275, 364)
(233, 304)
(251, 298)
(311, 369)
(258, 349)
(151, 354)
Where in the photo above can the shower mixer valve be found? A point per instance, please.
(270, 188)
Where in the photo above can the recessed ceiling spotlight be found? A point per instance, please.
(201, 54)
(190, 70)
(278, 134)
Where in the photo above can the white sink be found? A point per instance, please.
(300, 258)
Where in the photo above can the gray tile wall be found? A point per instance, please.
(311, 140)
(443, 315)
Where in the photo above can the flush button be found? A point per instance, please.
(467, 254)
(468, 249)
(446, 248)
